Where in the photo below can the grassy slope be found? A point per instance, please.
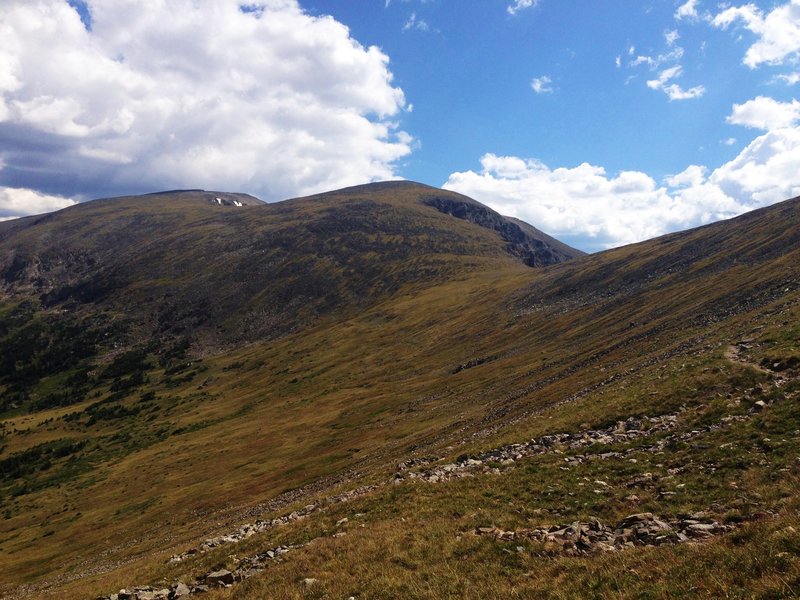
(639, 330)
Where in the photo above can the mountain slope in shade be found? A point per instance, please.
(450, 406)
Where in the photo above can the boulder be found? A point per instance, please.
(181, 591)
(223, 577)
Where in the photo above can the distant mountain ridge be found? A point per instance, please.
(229, 267)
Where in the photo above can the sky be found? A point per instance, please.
(602, 123)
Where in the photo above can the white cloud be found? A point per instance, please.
(765, 171)
(778, 31)
(664, 77)
(687, 11)
(582, 204)
(192, 94)
(414, 23)
(729, 141)
(671, 37)
(519, 5)
(542, 85)
(592, 209)
(765, 113)
(672, 57)
(691, 176)
(16, 202)
(790, 78)
(673, 90)
(676, 92)
(644, 60)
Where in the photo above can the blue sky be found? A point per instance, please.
(602, 123)
(468, 74)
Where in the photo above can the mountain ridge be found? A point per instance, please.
(98, 250)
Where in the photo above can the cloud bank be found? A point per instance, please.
(595, 210)
(260, 97)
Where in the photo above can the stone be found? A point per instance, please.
(223, 577)
(310, 582)
(658, 525)
(181, 591)
(639, 480)
(637, 518)
(633, 424)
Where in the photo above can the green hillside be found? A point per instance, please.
(391, 391)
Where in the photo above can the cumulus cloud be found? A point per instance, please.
(691, 176)
(687, 11)
(582, 205)
(20, 202)
(542, 85)
(765, 113)
(268, 100)
(778, 31)
(765, 171)
(519, 5)
(594, 210)
(673, 90)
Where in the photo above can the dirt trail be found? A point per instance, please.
(734, 354)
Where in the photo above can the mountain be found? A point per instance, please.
(229, 268)
(391, 390)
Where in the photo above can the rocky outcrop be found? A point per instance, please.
(531, 246)
(592, 537)
(249, 529)
(217, 579)
(490, 461)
